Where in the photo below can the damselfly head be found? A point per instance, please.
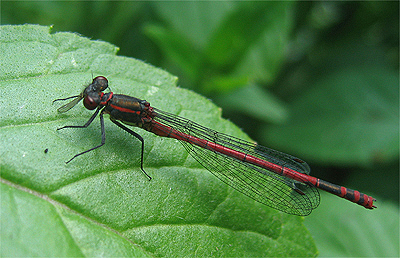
(90, 94)
(93, 92)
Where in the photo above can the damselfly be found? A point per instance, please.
(276, 179)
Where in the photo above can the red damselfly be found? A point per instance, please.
(276, 179)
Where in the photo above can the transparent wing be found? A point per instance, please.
(69, 105)
(260, 184)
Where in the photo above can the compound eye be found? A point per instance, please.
(100, 78)
(90, 103)
(101, 83)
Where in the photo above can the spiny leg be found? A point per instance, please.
(103, 133)
(82, 126)
(140, 138)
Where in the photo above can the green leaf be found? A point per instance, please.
(341, 229)
(101, 204)
(177, 48)
(264, 105)
(197, 20)
(349, 117)
(35, 225)
(212, 43)
(252, 38)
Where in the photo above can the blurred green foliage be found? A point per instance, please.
(316, 79)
